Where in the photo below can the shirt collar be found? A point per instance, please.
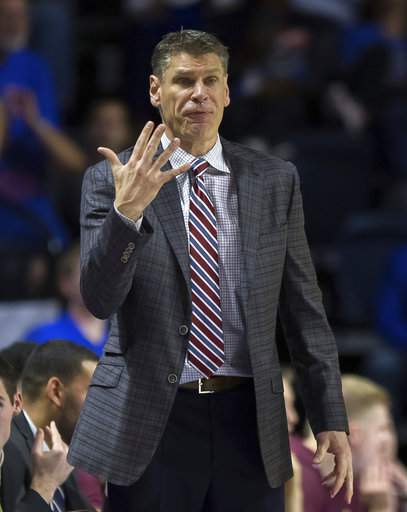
(34, 428)
(214, 156)
(30, 423)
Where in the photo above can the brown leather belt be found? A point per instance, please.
(214, 384)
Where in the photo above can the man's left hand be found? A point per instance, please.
(337, 444)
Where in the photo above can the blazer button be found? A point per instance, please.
(172, 378)
(183, 329)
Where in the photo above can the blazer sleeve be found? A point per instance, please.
(32, 502)
(309, 337)
(109, 245)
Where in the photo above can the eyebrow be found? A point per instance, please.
(183, 71)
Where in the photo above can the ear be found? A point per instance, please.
(55, 391)
(226, 103)
(155, 91)
(18, 403)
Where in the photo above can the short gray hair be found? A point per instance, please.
(193, 42)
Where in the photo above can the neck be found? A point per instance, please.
(38, 414)
(197, 148)
(194, 146)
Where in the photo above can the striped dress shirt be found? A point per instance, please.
(222, 190)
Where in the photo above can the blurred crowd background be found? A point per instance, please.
(322, 83)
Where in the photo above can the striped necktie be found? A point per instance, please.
(206, 348)
(58, 501)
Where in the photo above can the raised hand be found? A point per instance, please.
(50, 467)
(139, 180)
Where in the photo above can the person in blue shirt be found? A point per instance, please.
(75, 322)
(29, 139)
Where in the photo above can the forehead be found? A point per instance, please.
(186, 63)
(377, 416)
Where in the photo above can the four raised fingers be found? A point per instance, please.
(153, 143)
(168, 175)
(142, 141)
(163, 158)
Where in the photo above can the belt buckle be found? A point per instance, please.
(203, 391)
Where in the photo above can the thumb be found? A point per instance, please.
(110, 156)
(322, 448)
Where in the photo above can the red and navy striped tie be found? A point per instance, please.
(206, 349)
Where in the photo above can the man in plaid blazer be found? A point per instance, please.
(165, 435)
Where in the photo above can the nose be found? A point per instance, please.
(199, 93)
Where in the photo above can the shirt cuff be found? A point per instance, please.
(135, 224)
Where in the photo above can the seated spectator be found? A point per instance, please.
(32, 138)
(17, 354)
(108, 123)
(49, 468)
(380, 481)
(374, 57)
(75, 322)
(54, 385)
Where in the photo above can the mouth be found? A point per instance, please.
(198, 116)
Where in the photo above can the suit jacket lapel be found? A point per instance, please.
(16, 470)
(167, 207)
(21, 424)
(250, 195)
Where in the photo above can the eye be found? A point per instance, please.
(184, 81)
(211, 80)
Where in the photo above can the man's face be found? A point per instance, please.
(69, 285)
(74, 397)
(191, 96)
(109, 126)
(6, 415)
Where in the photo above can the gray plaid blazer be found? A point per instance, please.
(141, 282)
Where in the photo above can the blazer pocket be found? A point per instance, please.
(107, 375)
(277, 385)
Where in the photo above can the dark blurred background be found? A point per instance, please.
(322, 83)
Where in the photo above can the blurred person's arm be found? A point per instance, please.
(294, 499)
(23, 103)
